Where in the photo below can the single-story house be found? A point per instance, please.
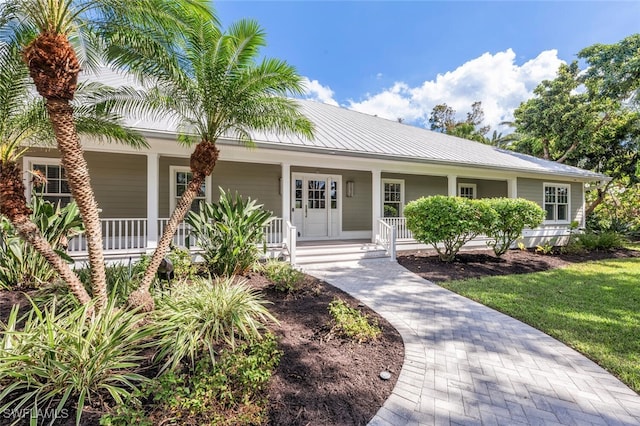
(354, 177)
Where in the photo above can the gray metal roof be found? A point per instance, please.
(350, 133)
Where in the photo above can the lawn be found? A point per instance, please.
(594, 307)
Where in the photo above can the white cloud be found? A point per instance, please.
(495, 80)
(317, 92)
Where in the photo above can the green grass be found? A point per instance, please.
(593, 307)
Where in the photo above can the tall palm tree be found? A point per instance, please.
(54, 64)
(213, 87)
(24, 121)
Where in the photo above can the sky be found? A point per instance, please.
(398, 59)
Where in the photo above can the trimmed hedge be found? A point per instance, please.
(447, 223)
(513, 215)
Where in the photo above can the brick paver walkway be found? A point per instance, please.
(468, 364)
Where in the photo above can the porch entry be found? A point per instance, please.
(316, 208)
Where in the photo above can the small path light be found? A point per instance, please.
(385, 375)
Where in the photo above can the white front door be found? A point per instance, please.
(316, 205)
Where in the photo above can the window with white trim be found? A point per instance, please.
(556, 202)
(392, 197)
(467, 190)
(48, 179)
(180, 179)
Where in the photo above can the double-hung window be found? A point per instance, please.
(467, 190)
(556, 202)
(180, 179)
(48, 179)
(392, 197)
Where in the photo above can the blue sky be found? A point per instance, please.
(398, 59)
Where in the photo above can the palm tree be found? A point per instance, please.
(213, 87)
(46, 28)
(24, 121)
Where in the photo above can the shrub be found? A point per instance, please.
(513, 215)
(61, 359)
(204, 314)
(352, 323)
(448, 221)
(600, 241)
(22, 265)
(229, 392)
(229, 233)
(284, 277)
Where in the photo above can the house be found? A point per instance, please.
(351, 182)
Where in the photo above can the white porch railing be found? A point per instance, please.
(128, 234)
(290, 241)
(400, 223)
(386, 237)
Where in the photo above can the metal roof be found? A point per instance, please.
(350, 133)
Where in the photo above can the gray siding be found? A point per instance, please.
(261, 182)
(119, 181)
(487, 188)
(258, 181)
(532, 189)
(356, 210)
(417, 186)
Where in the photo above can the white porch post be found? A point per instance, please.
(285, 190)
(512, 188)
(153, 177)
(452, 188)
(376, 201)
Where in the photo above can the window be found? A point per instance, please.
(392, 197)
(180, 179)
(48, 179)
(467, 190)
(556, 202)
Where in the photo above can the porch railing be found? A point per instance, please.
(126, 234)
(290, 241)
(386, 237)
(130, 234)
(400, 223)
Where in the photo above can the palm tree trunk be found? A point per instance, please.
(142, 297)
(75, 165)
(14, 207)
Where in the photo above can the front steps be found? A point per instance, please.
(332, 252)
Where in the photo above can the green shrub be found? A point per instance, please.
(204, 314)
(600, 241)
(20, 264)
(229, 233)
(65, 359)
(447, 223)
(230, 392)
(285, 277)
(352, 323)
(513, 215)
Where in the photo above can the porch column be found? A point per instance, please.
(153, 178)
(452, 190)
(285, 191)
(376, 201)
(512, 188)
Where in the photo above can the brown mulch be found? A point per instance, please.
(321, 379)
(481, 263)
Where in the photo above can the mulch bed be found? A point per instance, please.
(321, 379)
(325, 380)
(481, 263)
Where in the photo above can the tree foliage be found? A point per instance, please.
(443, 119)
(570, 121)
